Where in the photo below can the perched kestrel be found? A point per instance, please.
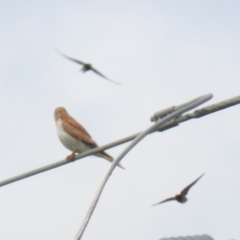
(182, 196)
(87, 66)
(74, 136)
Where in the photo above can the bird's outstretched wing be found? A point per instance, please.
(166, 200)
(72, 59)
(100, 74)
(186, 189)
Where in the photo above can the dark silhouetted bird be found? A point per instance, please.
(87, 67)
(182, 196)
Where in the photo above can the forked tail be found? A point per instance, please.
(108, 157)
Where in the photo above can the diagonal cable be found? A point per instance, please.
(196, 114)
(177, 111)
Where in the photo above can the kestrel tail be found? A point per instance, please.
(74, 136)
(87, 67)
(181, 198)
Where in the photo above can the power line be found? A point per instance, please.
(196, 114)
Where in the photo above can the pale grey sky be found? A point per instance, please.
(163, 53)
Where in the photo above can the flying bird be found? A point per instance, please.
(87, 67)
(181, 198)
(74, 136)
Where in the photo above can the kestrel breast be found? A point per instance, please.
(68, 141)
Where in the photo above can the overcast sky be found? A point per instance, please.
(164, 53)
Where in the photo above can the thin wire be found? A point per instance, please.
(198, 113)
(186, 107)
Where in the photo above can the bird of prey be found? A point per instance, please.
(87, 67)
(181, 198)
(74, 136)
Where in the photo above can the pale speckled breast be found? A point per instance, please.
(68, 141)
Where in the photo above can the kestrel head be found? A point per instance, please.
(60, 112)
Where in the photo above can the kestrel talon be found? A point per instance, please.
(74, 136)
(87, 67)
(181, 198)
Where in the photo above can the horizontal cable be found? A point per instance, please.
(196, 114)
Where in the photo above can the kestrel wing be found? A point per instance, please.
(166, 200)
(72, 59)
(77, 131)
(100, 74)
(186, 189)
